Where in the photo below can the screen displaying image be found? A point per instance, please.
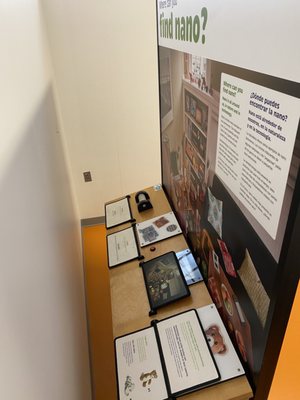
(164, 280)
(189, 266)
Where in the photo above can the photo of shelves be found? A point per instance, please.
(197, 110)
(197, 138)
(194, 158)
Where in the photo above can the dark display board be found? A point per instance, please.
(230, 146)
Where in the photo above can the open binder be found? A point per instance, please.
(169, 359)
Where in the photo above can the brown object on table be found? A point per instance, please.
(130, 304)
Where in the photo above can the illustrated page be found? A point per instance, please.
(121, 247)
(140, 374)
(117, 212)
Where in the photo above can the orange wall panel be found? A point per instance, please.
(286, 381)
(99, 312)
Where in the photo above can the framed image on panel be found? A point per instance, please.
(122, 247)
(164, 280)
(118, 212)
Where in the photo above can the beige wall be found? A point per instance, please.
(105, 61)
(43, 338)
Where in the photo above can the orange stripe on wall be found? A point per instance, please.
(99, 312)
(286, 381)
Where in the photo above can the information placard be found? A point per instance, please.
(117, 212)
(256, 137)
(121, 247)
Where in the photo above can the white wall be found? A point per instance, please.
(43, 339)
(105, 61)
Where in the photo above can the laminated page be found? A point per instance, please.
(139, 370)
(187, 356)
(117, 212)
(121, 247)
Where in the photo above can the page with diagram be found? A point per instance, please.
(139, 370)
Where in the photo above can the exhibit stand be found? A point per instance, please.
(223, 376)
(230, 147)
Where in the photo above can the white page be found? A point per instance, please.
(139, 366)
(186, 353)
(117, 212)
(121, 247)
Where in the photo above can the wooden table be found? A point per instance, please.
(130, 306)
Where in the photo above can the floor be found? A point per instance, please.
(99, 312)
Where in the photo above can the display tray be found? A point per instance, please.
(164, 281)
(158, 228)
(166, 360)
(118, 212)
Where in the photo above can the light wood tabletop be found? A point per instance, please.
(130, 305)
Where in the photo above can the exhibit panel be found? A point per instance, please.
(230, 161)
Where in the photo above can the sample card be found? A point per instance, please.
(224, 353)
(157, 229)
(121, 247)
(189, 267)
(117, 212)
(256, 137)
(140, 374)
(187, 356)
